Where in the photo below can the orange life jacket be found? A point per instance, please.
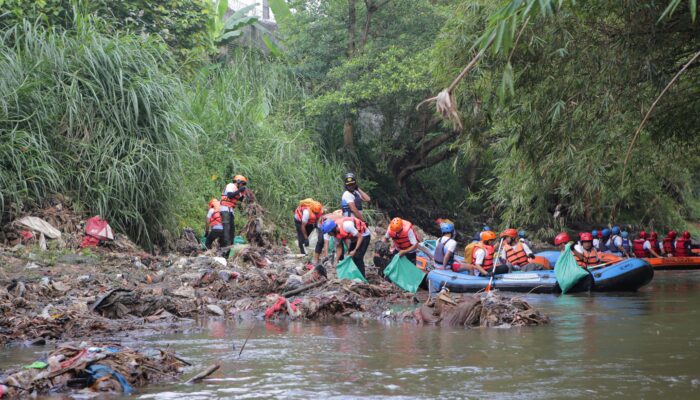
(342, 234)
(216, 217)
(516, 254)
(488, 258)
(589, 258)
(230, 203)
(298, 213)
(400, 238)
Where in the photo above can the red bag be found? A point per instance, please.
(96, 230)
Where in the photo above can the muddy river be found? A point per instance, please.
(641, 345)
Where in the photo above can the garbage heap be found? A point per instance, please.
(93, 368)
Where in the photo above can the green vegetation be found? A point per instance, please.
(141, 110)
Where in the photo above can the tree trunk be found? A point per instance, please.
(348, 133)
(351, 27)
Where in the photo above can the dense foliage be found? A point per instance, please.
(91, 117)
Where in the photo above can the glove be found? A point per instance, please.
(306, 242)
(242, 189)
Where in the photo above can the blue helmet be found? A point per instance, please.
(522, 234)
(606, 232)
(447, 227)
(594, 233)
(486, 228)
(625, 234)
(616, 230)
(328, 226)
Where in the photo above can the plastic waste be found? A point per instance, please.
(404, 274)
(567, 270)
(346, 269)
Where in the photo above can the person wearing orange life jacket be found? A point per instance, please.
(232, 194)
(404, 237)
(683, 245)
(586, 255)
(483, 256)
(354, 233)
(213, 229)
(669, 243)
(517, 254)
(305, 219)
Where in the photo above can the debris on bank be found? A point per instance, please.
(480, 310)
(65, 293)
(91, 368)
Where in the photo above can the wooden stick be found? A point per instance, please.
(203, 374)
(303, 288)
(246, 341)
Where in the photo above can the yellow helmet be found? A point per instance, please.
(240, 178)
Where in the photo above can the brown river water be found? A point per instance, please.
(623, 346)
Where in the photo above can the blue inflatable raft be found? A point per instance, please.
(514, 282)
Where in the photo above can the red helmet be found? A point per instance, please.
(643, 235)
(672, 234)
(653, 236)
(586, 237)
(685, 235)
(509, 233)
(561, 238)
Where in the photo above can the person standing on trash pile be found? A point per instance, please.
(615, 243)
(353, 196)
(586, 255)
(233, 193)
(517, 254)
(213, 228)
(483, 256)
(670, 243)
(323, 239)
(306, 215)
(404, 238)
(352, 232)
(445, 247)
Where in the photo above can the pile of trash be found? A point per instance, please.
(480, 310)
(91, 368)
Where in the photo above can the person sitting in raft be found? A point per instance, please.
(522, 238)
(445, 247)
(670, 243)
(615, 243)
(596, 241)
(642, 246)
(305, 217)
(655, 246)
(626, 243)
(482, 259)
(604, 238)
(214, 228)
(516, 254)
(586, 255)
(404, 237)
(683, 245)
(354, 234)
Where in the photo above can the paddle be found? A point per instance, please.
(495, 264)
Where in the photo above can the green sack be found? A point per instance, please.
(347, 269)
(567, 270)
(404, 274)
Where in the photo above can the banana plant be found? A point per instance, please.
(223, 31)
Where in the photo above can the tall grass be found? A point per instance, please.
(248, 109)
(92, 117)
